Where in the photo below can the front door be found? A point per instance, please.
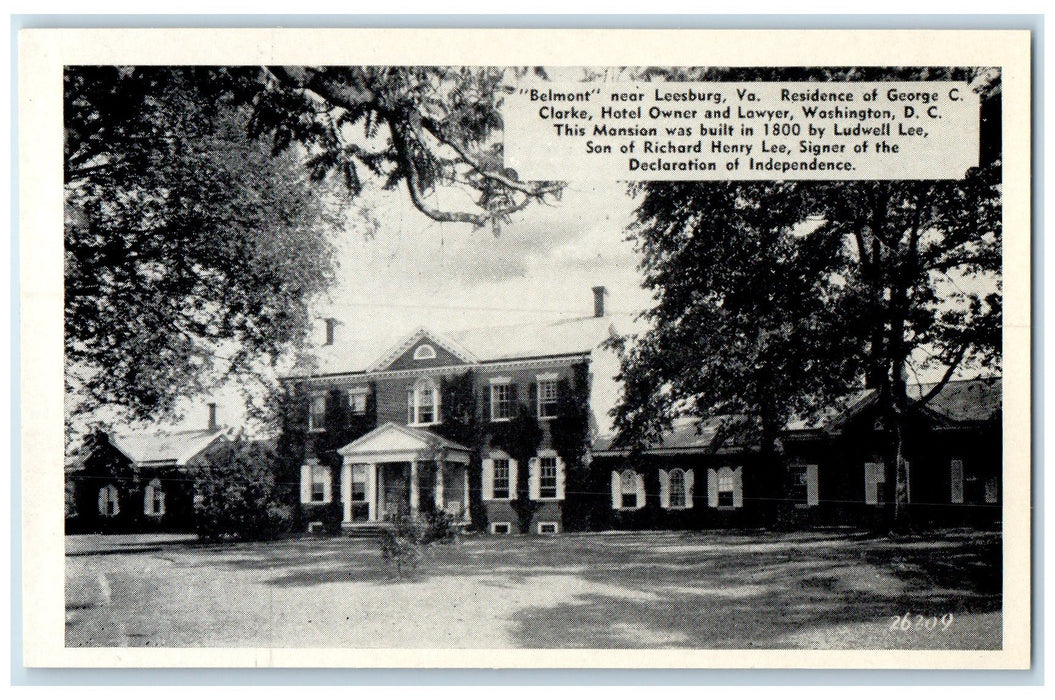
(395, 489)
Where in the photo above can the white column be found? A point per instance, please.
(371, 492)
(439, 485)
(414, 488)
(346, 490)
(465, 496)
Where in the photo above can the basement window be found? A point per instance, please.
(501, 528)
(547, 528)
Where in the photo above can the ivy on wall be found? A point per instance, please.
(519, 437)
(570, 433)
(462, 424)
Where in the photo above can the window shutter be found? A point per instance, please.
(437, 398)
(956, 481)
(486, 413)
(617, 490)
(513, 395)
(103, 502)
(992, 489)
(305, 483)
(712, 488)
(639, 479)
(327, 485)
(908, 481)
(514, 474)
(738, 487)
(689, 479)
(664, 489)
(812, 486)
(410, 406)
(148, 499)
(488, 479)
(534, 481)
(560, 479)
(871, 482)
(533, 398)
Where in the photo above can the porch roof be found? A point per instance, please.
(400, 443)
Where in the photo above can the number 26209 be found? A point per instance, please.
(910, 621)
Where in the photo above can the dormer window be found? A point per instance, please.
(425, 352)
(423, 403)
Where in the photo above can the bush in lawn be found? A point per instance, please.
(407, 542)
(440, 526)
(403, 544)
(238, 497)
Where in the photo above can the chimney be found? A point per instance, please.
(212, 417)
(599, 294)
(331, 330)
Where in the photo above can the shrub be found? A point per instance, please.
(403, 544)
(238, 497)
(407, 542)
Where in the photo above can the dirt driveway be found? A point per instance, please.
(603, 590)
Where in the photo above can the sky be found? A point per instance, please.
(398, 271)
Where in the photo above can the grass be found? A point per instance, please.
(813, 590)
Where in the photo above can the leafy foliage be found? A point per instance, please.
(238, 496)
(407, 540)
(571, 437)
(520, 438)
(191, 254)
(193, 249)
(771, 295)
(462, 424)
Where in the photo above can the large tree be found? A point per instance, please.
(915, 264)
(190, 252)
(198, 217)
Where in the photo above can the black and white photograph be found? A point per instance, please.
(514, 357)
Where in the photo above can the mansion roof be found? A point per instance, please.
(578, 336)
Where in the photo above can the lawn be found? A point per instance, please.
(810, 590)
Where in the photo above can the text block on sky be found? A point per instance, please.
(742, 131)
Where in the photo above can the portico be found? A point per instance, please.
(397, 470)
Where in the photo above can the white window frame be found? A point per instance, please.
(425, 352)
(496, 383)
(307, 482)
(507, 525)
(549, 380)
(684, 489)
(112, 497)
(312, 402)
(154, 498)
(357, 394)
(541, 477)
(552, 525)
(414, 402)
(636, 488)
(510, 487)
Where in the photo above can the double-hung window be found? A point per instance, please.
(502, 402)
(547, 477)
(547, 397)
(628, 485)
(319, 483)
(154, 498)
(500, 488)
(357, 402)
(678, 497)
(423, 403)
